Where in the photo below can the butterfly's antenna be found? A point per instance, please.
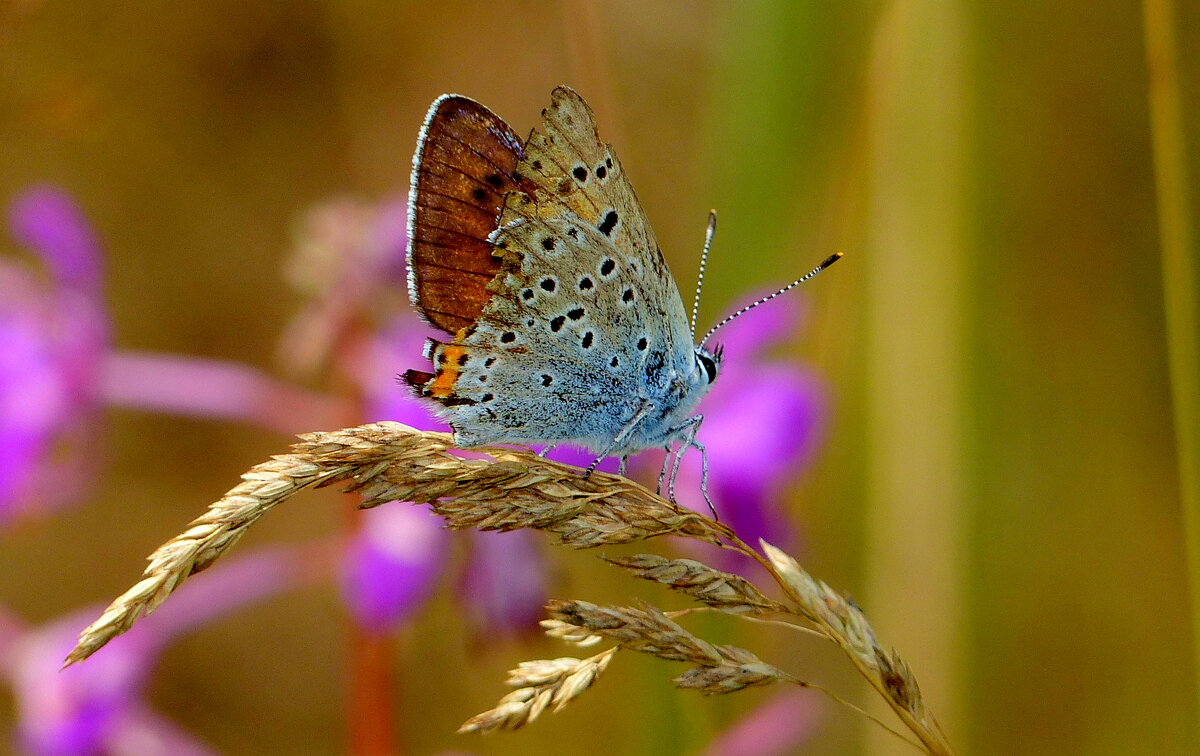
(708, 237)
(828, 261)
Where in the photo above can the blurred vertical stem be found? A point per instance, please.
(915, 263)
(371, 704)
(372, 719)
(1179, 278)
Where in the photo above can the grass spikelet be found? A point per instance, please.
(568, 633)
(644, 629)
(721, 590)
(719, 669)
(730, 677)
(540, 684)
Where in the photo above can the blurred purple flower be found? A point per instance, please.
(777, 727)
(96, 708)
(762, 422)
(392, 564)
(393, 561)
(78, 710)
(393, 346)
(46, 220)
(56, 367)
(349, 263)
(504, 585)
(55, 331)
(215, 389)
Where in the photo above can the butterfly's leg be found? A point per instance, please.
(644, 410)
(549, 448)
(595, 463)
(692, 443)
(623, 465)
(675, 461)
(662, 474)
(687, 429)
(704, 477)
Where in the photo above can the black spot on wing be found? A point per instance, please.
(609, 223)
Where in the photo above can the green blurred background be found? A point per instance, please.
(999, 488)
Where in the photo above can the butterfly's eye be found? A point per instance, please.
(709, 365)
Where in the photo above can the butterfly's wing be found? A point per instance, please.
(465, 163)
(571, 163)
(584, 323)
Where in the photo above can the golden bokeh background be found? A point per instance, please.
(999, 488)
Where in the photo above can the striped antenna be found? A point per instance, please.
(708, 237)
(828, 261)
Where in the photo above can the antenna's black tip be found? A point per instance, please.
(830, 260)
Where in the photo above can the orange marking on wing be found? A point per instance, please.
(447, 372)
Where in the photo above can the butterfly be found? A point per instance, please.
(536, 259)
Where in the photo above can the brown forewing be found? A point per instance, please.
(466, 161)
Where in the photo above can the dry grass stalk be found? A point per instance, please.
(846, 625)
(719, 669)
(517, 489)
(540, 684)
(514, 489)
(556, 682)
(720, 590)
(205, 540)
(389, 461)
(568, 633)
(647, 630)
(739, 669)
